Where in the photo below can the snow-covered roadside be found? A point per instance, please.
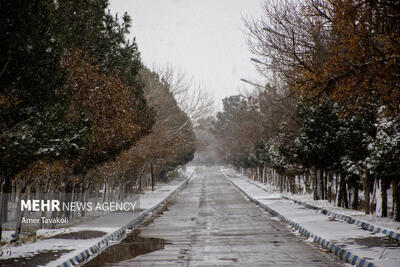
(358, 242)
(113, 225)
(382, 222)
(359, 216)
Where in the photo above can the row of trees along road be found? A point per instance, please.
(329, 121)
(79, 112)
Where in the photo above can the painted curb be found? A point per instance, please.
(342, 253)
(95, 250)
(346, 218)
(350, 220)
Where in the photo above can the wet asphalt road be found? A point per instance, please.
(210, 223)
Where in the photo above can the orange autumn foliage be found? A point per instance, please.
(109, 104)
(363, 65)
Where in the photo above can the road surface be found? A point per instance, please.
(210, 223)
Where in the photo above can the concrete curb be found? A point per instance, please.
(95, 250)
(346, 218)
(342, 253)
(350, 220)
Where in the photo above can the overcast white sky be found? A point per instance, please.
(203, 38)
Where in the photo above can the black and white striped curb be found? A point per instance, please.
(95, 250)
(346, 218)
(342, 253)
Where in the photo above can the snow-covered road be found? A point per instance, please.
(210, 223)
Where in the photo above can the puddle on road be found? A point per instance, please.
(39, 258)
(375, 241)
(229, 259)
(80, 235)
(132, 246)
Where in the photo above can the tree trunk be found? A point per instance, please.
(82, 197)
(306, 179)
(4, 203)
(152, 177)
(342, 201)
(326, 177)
(321, 184)
(366, 186)
(122, 190)
(284, 179)
(4, 200)
(315, 184)
(384, 197)
(377, 197)
(354, 204)
(340, 192)
(104, 191)
(67, 198)
(263, 174)
(138, 185)
(329, 189)
(396, 200)
(55, 213)
(366, 194)
(294, 184)
(43, 196)
(20, 213)
(345, 195)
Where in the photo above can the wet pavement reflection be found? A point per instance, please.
(133, 245)
(210, 223)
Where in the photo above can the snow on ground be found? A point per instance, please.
(386, 223)
(373, 219)
(382, 222)
(373, 247)
(108, 224)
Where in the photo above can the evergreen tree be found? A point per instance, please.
(384, 160)
(318, 145)
(33, 98)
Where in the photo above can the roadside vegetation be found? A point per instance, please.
(328, 122)
(78, 110)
